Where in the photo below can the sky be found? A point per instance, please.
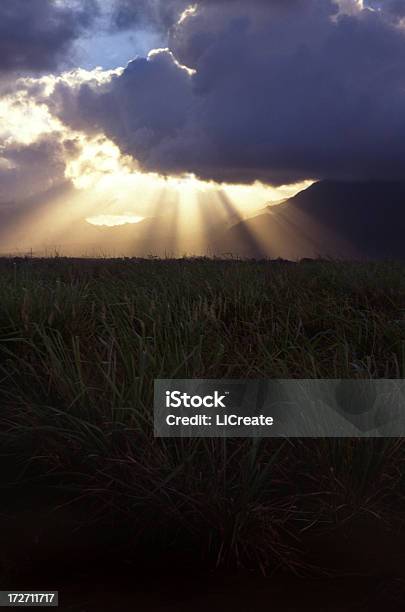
(105, 105)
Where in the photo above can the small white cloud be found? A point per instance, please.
(114, 220)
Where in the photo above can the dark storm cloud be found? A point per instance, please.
(26, 170)
(146, 104)
(35, 35)
(282, 91)
(146, 13)
(164, 14)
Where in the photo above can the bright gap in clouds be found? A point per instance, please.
(122, 190)
(23, 121)
(110, 190)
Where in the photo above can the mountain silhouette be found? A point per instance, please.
(329, 219)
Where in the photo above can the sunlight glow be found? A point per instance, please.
(99, 158)
(71, 78)
(23, 121)
(109, 205)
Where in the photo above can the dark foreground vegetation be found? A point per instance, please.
(83, 480)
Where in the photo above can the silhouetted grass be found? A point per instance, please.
(81, 342)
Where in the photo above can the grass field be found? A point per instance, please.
(81, 342)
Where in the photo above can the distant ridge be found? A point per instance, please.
(331, 219)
